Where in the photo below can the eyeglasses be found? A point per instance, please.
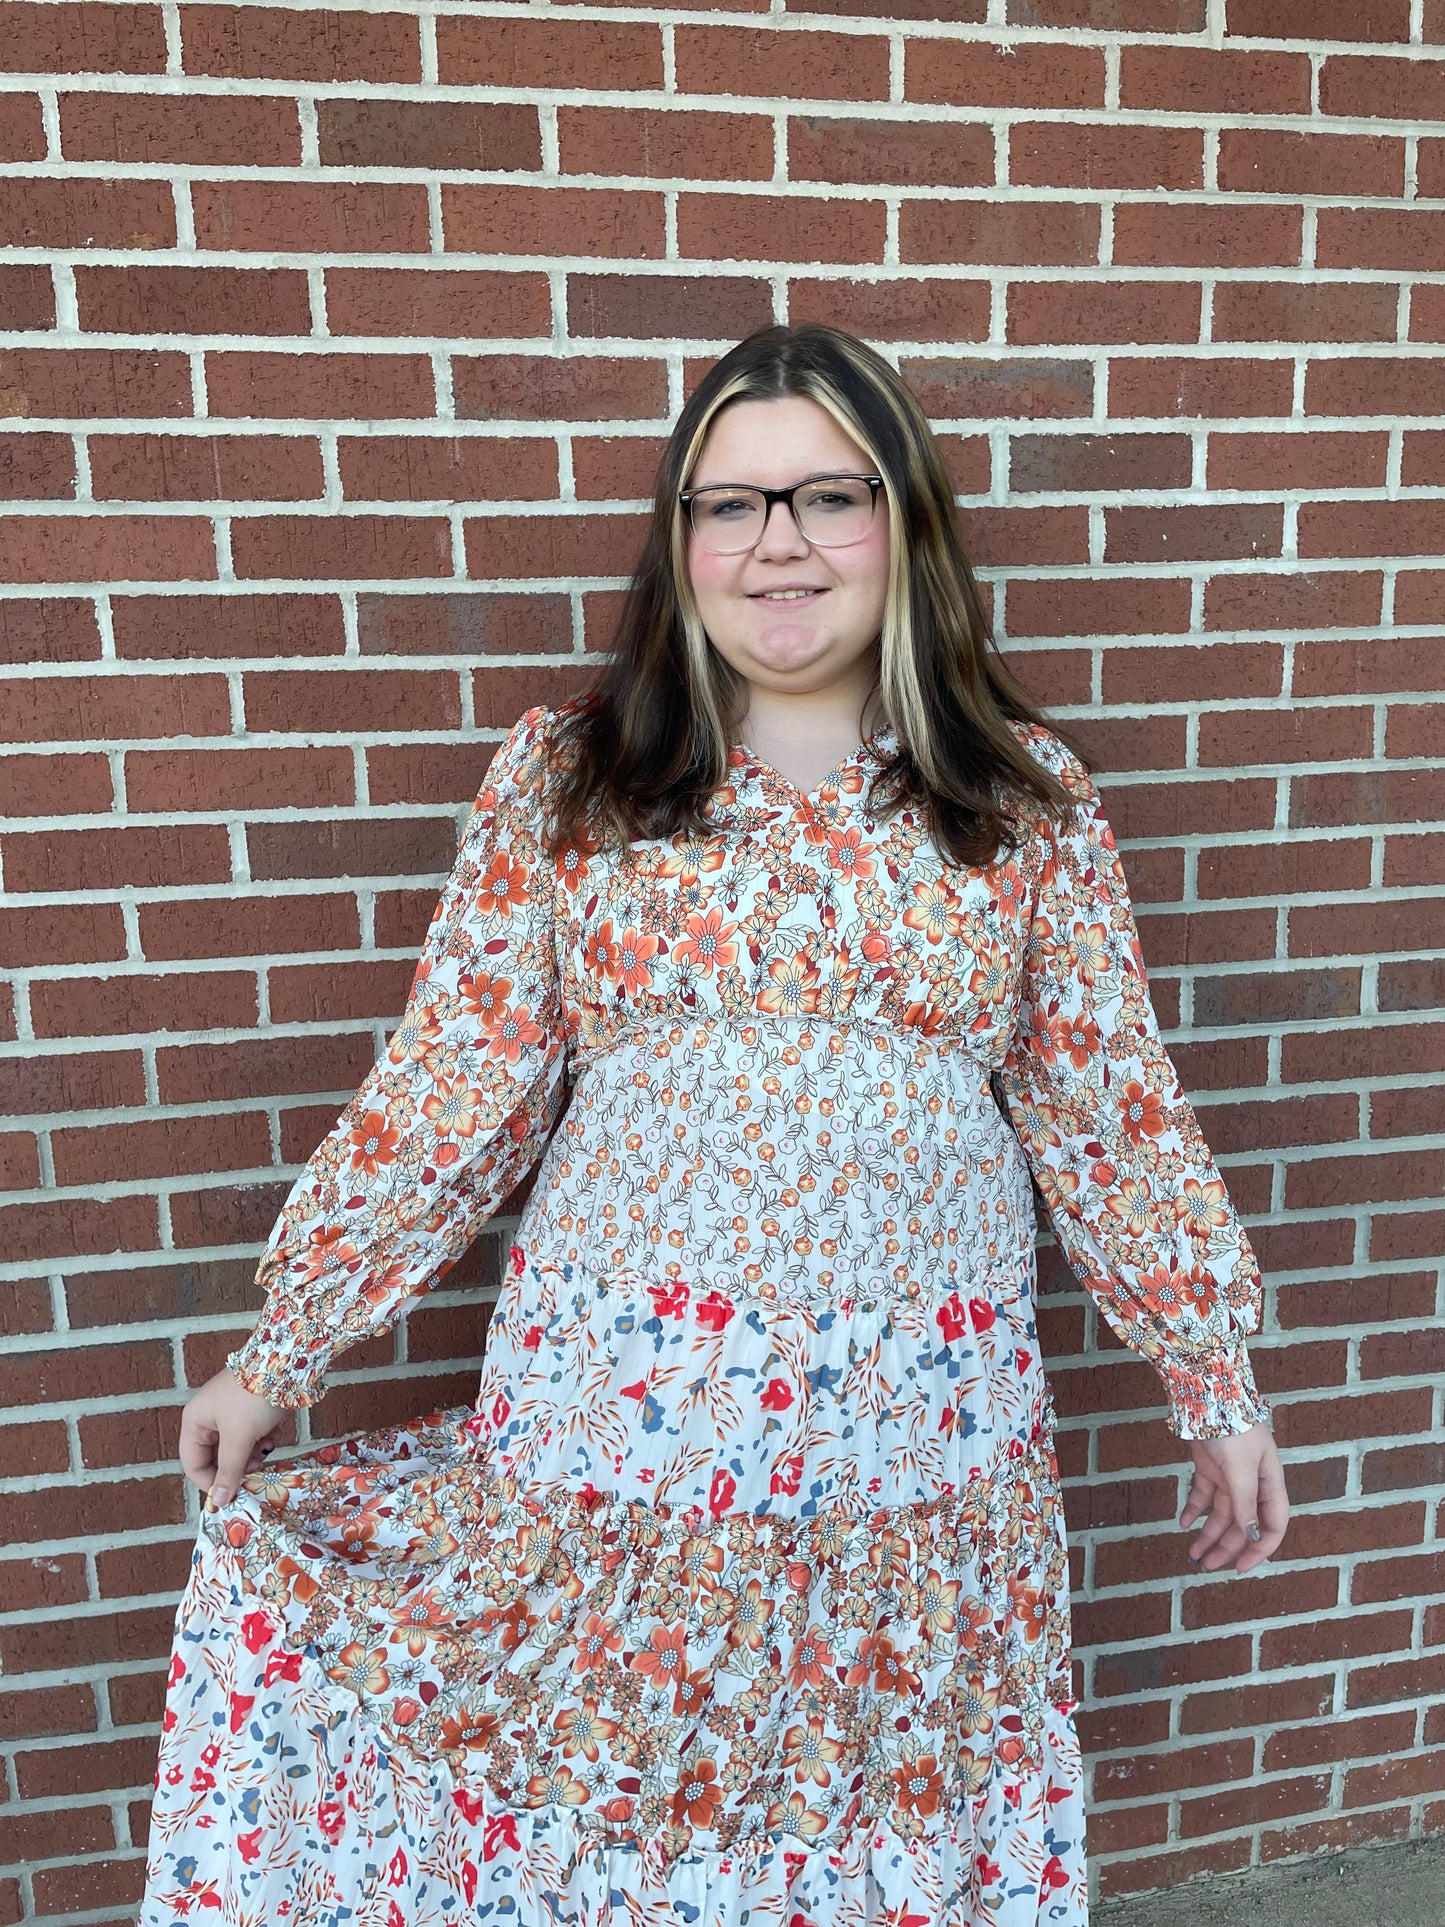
(831, 511)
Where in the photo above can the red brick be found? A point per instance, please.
(85, 382)
(1082, 463)
(1165, 387)
(35, 1450)
(1218, 80)
(447, 468)
(510, 546)
(140, 856)
(1264, 739)
(329, 993)
(115, 706)
(1270, 160)
(1083, 606)
(616, 468)
(1223, 529)
(526, 53)
(98, 1639)
(1381, 237)
(185, 301)
(65, 1227)
(976, 73)
(450, 302)
(752, 227)
(386, 847)
(1404, 385)
(458, 622)
(1427, 313)
(1125, 16)
(161, 1148)
(189, 1289)
(1420, 595)
(775, 65)
(558, 388)
(1297, 457)
(96, 1767)
(1330, 529)
(108, 548)
(1097, 155)
(696, 145)
(204, 627)
(39, 1715)
(85, 211)
(1007, 233)
(719, 307)
(1282, 311)
(48, 629)
(46, 1584)
(320, 386)
(239, 779)
(138, 1571)
(247, 926)
(307, 547)
(41, 1835)
(122, 1005)
(79, 932)
(1278, 870)
(200, 130)
(27, 296)
(268, 1067)
(291, 217)
(92, 37)
(428, 133)
(1300, 20)
(995, 390)
(71, 1373)
(826, 148)
(55, 786)
(1382, 89)
(1040, 313)
(1376, 665)
(1298, 599)
(1052, 537)
(1178, 235)
(36, 467)
(276, 43)
(552, 220)
(907, 310)
(205, 468)
(347, 700)
(421, 773)
(22, 137)
(226, 1215)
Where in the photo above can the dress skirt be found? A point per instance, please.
(594, 1652)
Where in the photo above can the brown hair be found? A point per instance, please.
(644, 749)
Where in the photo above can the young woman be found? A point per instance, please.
(741, 1593)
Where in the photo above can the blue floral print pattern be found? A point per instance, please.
(741, 1591)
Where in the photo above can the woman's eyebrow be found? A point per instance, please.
(817, 475)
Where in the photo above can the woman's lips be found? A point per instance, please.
(786, 601)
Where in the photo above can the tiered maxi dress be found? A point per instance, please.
(740, 1595)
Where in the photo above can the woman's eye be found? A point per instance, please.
(719, 510)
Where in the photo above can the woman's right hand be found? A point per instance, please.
(225, 1433)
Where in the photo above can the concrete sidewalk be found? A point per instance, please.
(1394, 1886)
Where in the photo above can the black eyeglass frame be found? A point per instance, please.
(771, 495)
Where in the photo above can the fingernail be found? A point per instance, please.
(1253, 1529)
(1193, 1560)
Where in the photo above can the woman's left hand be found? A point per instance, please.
(1236, 1480)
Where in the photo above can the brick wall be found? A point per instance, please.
(338, 349)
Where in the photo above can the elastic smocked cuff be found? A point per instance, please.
(263, 1375)
(1212, 1395)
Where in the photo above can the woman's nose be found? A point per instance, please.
(781, 535)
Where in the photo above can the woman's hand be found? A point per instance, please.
(226, 1432)
(1236, 1480)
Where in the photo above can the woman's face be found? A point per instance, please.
(819, 641)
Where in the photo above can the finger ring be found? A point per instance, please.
(1253, 1529)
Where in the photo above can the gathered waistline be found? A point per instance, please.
(935, 1043)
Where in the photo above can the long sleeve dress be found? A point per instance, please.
(740, 1594)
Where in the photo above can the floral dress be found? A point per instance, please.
(740, 1595)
